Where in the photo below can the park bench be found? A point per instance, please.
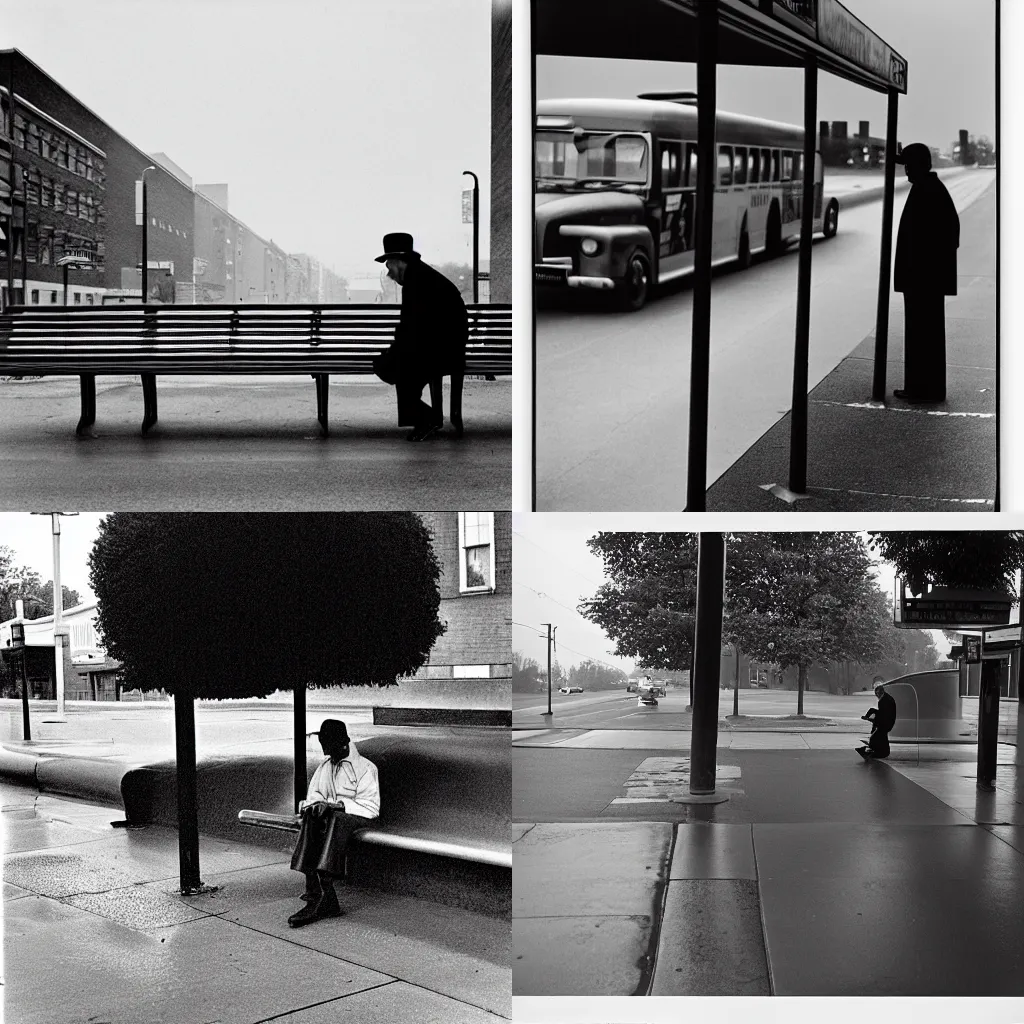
(217, 339)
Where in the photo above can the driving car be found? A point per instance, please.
(646, 699)
(570, 689)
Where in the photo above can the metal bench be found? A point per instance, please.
(385, 836)
(172, 339)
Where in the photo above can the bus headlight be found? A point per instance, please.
(589, 246)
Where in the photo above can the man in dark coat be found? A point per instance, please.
(925, 271)
(882, 719)
(430, 341)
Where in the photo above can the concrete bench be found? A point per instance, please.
(172, 339)
(420, 843)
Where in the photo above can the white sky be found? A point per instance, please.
(949, 46)
(332, 123)
(554, 570)
(31, 539)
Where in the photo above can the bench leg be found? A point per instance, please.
(323, 382)
(456, 409)
(148, 400)
(88, 388)
(437, 400)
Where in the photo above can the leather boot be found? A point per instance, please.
(313, 891)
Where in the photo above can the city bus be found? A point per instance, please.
(616, 180)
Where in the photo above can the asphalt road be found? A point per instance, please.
(247, 443)
(613, 388)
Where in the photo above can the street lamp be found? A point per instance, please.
(476, 235)
(145, 236)
(17, 643)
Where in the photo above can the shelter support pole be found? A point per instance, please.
(707, 662)
(801, 348)
(700, 338)
(299, 705)
(885, 260)
(185, 762)
(988, 724)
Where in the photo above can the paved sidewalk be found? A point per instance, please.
(864, 455)
(95, 930)
(821, 874)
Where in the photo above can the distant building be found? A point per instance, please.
(840, 149)
(365, 290)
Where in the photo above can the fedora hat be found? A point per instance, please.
(915, 151)
(397, 244)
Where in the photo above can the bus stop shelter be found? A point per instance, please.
(810, 34)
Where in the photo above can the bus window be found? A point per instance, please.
(766, 165)
(739, 166)
(755, 167)
(725, 165)
(775, 165)
(797, 164)
(550, 158)
(671, 165)
(690, 179)
(787, 166)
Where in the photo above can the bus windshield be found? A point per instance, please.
(591, 160)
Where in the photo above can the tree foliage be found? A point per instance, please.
(526, 674)
(791, 598)
(592, 675)
(969, 559)
(241, 604)
(17, 581)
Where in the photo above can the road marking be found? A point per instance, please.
(910, 497)
(663, 779)
(899, 408)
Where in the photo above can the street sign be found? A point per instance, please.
(138, 202)
(950, 608)
(999, 643)
(467, 206)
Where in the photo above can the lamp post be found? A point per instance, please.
(58, 610)
(17, 643)
(476, 236)
(145, 237)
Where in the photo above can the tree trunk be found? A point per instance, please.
(801, 683)
(188, 821)
(300, 743)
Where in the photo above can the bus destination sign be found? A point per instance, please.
(945, 608)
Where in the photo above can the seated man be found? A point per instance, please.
(343, 795)
(882, 719)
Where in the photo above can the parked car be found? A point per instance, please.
(570, 689)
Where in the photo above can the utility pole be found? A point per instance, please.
(551, 637)
(58, 611)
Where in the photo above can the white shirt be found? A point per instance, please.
(351, 784)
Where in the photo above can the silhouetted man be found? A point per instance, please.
(925, 271)
(343, 795)
(882, 719)
(430, 341)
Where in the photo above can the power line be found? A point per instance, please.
(556, 558)
(589, 657)
(547, 597)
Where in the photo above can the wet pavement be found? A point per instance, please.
(95, 930)
(819, 875)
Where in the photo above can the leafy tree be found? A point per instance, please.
(20, 582)
(558, 676)
(219, 605)
(791, 598)
(592, 675)
(526, 674)
(971, 559)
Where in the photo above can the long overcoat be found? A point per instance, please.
(928, 239)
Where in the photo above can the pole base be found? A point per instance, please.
(701, 798)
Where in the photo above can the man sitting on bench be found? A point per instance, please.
(882, 719)
(342, 796)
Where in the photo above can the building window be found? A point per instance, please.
(471, 671)
(88, 299)
(71, 204)
(78, 298)
(53, 297)
(476, 552)
(35, 296)
(47, 192)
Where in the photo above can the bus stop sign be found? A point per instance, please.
(949, 608)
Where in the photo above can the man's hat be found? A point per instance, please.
(915, 152)
(331, 730)
(397, 244)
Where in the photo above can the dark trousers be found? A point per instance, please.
(924, 345)
(878, 742)
(323, 840)
(412, 410)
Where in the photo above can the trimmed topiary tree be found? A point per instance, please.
(222, 605)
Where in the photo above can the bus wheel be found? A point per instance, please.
(743, 252)
(831, 225)
(773, 233)
(636, 284)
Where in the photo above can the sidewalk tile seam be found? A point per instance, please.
(654, 945)
(324, 1002)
